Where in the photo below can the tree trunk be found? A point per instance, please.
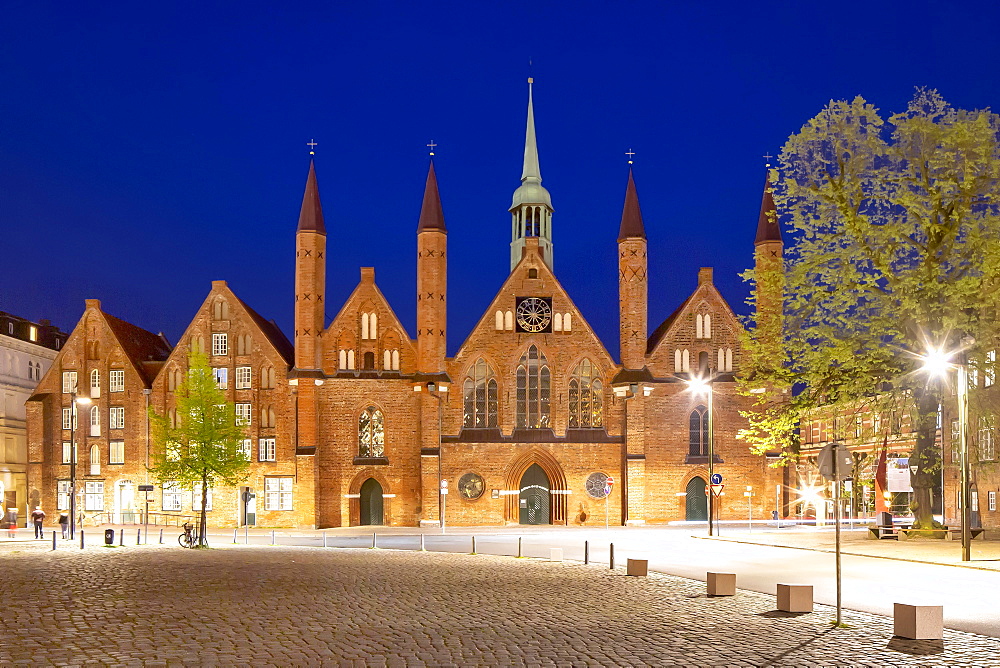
(204, 510)
(927, 457)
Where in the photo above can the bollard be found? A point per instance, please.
(586, 552)
(374, 541)
(637, 567)
(138, 536)
(918, 622)
(161, 535)
(422, 543)
(272, 536)
(473, 545)
(795, 598)
(121, 538)
(519, 547)
(324, 539)
(81, 539)
(721, 584)
(236, 534)
(53, 540)
(612, 557)
(246, 534)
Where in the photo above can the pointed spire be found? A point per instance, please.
(531, 173)
(768, 228)
(311, 215)
(631, 227)
(431, 214)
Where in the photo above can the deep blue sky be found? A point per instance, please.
(149, 148)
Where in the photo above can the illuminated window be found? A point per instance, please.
(221, 377)
(371, 433)
(533, 390)
(220, 343)
(196, 498)
(171, 496)
(68, 382)
(698, 432)
(480, 395)
(586, 397)
(265, 449)
(116, 380)
(277, 493)
(93, 495)
(117, 417)
(116, 452)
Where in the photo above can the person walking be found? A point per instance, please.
(37, 517)
(12, 522)
(64, 523)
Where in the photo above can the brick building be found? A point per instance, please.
(358, 423)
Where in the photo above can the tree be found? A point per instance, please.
(201, 444)
(895, 249)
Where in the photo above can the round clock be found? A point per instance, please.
(534, 314)
(471, 486)
(595, 485)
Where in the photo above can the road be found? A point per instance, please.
(870, 584)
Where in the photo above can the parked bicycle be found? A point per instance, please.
(189, 538)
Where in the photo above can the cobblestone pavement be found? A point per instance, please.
(309, 606)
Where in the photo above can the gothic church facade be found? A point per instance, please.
(355, 422)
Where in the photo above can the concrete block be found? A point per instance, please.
(918, 622)
(721, 584)
(795, 598)
(637, 567)
(555, 554)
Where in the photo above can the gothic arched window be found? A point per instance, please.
(371, 433)
(533, 390)
(698, 439)
(586, 397)
(480, 394)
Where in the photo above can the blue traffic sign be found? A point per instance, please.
(716, 478)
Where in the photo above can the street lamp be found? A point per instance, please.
(73, 419)
(938, 363)
(701, 385)
(436, 390)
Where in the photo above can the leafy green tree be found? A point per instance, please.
(201, 447)
(894, 250)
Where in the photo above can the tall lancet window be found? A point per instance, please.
(371, 433)
(586, 397)
(480, 394)
(533, 390)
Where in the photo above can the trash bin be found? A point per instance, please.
(109, 536)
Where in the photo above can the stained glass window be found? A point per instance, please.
(586, 398)
(480, 395)
(533, 390)
(371, 433)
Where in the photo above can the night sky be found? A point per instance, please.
(149, 148)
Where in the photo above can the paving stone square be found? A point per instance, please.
(287, 606)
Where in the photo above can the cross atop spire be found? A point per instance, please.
(312, 146)
(630, 153)
(431, 146)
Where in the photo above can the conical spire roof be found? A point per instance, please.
(768, 228)
(311, 215)
(431, 214)
(631, 227)
(531, 190)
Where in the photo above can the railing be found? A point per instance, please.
(140, 518)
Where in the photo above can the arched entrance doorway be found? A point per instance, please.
(696, 501)
(371, 502)
(534, 497)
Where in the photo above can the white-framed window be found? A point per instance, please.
(95, 384)
(244, 375)
(956, 435)
(990, 372)
(68, 381)
(221, 375)
(277, 493)
(67, 452)
(992, 498)
(171, 496)
(116, 452)
(220, 343)
(95, 460)
(95, 421)
(62, 495)
(196, 498)
(116, 380)
(245, 448)
(68, 419)
(117, 417)
(265, 449)
(93, 495)
(987, 449)
(859, 423)
(243, 413)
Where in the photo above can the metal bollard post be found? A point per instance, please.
(121, 538)
(473, 545)
(324, 539)
(272, 536)
(81, 539)
(246, 534)
(519, 547)
(138, 536)
(161, 535)
(53, 540)
(236, 533)
(422, 543)
(586, 552)
(612, 566)
(374, 541)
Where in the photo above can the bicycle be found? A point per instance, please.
(188, 538)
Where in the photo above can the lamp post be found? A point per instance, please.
(433, 389)
(73, 419)
(699, 385)
(937, 363)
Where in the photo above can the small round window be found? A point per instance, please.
(471, 486)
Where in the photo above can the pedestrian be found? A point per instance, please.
(37, 517)
(12, 522)
(64, 523)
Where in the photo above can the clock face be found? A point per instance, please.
(534, 314)
(595, 485)
(471, 486)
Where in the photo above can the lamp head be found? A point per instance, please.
(431, 386)
(83, 401)
(937, 362)
(700, 385)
